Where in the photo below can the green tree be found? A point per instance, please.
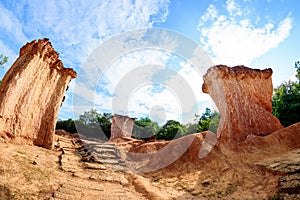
(89, 117)
(172, 129)
(104, 121)
(214, 121)
(209, 120)
(286, 100)
(93, 124)
(204, 121)
(144, 128)
(191, 128)
(67, 125)
(297, 66)
(3, 60)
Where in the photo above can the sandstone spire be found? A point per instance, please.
(31, 94)
(121, 126)
(244, 99)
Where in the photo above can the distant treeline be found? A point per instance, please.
(94, 124)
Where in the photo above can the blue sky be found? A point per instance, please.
(255, 33)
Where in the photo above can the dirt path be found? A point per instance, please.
(30, 172)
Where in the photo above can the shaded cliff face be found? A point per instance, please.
(121, 127)
(31, 94)
(244, 99)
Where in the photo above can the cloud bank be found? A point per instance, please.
(75, 29)
(233, 35)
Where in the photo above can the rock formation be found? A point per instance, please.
(31, 94)
(153, 156)
(244, 99)
(121, 126)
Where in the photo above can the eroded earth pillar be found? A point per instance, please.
(31, 94)
(244, 99)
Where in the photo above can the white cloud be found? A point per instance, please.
(127, 65)
(137, 84)
(233, 8)
(186, 84)
(144, 102)
(233, 39)
(210, 14)
(120, 80)
(194, 79)
(143, 79)
(11, 26)
(75, 30)
(292, 78)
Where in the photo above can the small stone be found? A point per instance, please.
(102, 167)
(124, 181)
(109, 178)
(34, 162)
(94, 166)
(178, 188)
(93, 177)
(197, 192)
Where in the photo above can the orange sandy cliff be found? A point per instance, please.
(31, 94)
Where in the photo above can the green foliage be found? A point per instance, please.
(96, 125)
(297, 66)
(191, 128)
(209, 121)
(3, 60)
(67, 125)
(203, 124)
(104, 121)
(214, 121)
(89, 117)
(172, 129)
(144, 128)
(93, 124)
(286, 100)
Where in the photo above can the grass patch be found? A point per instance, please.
(276, 196)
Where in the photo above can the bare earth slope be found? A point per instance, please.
(31, 172)
(228, 173)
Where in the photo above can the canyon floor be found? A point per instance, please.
(31, 172)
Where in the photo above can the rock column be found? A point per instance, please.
(31, 94)
(121, 126)
(244, 99)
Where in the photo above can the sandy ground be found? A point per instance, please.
(31, 172)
